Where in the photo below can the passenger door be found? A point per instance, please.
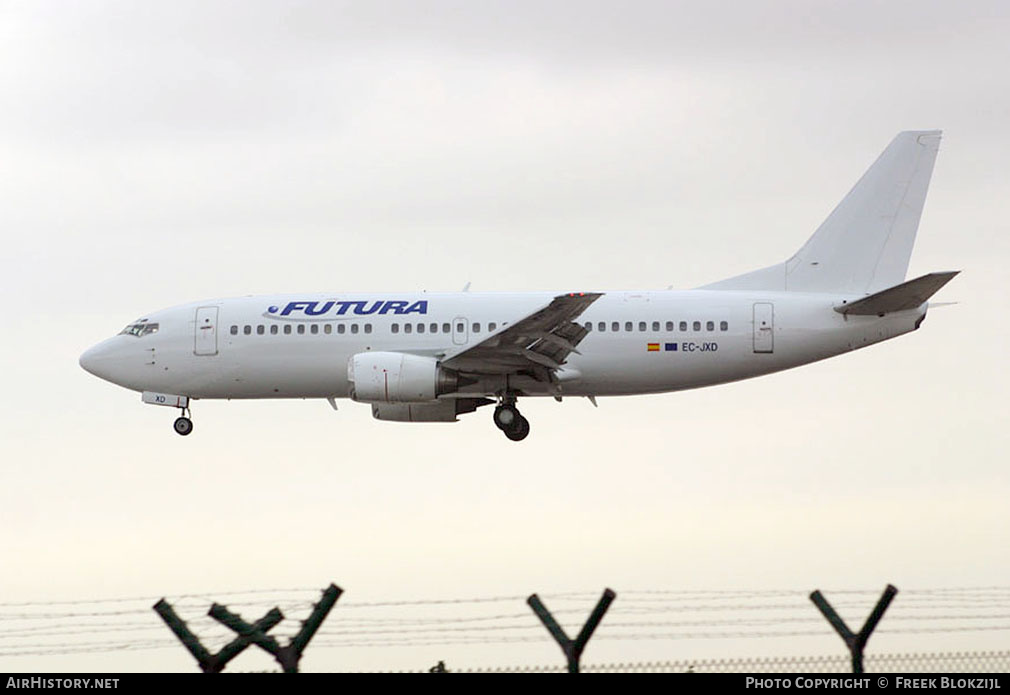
(206, 331)
(764, 327)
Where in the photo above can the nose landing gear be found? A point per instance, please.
(183, 425)
(509, 420)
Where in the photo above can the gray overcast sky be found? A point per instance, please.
(157, 153)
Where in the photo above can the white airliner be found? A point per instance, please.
(427, 357)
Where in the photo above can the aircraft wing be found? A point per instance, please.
(540, 342)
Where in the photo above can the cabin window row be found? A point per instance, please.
(354, 328)
(475, 327)
(643, 326)
(302, 329)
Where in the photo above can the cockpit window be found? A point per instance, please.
(140, 329)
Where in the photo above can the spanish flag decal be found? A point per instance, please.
(653, 347)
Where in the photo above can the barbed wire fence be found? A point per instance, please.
(939, 662)
(111, 625)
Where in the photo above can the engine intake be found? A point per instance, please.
(395, 377)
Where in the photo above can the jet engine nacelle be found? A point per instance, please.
(395, 377)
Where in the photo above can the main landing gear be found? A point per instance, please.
(510, 421)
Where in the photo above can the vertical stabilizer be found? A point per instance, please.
(865, 243)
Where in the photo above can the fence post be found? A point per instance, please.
(212, 663)
(289, 656)
(572, 649)
(855, 642)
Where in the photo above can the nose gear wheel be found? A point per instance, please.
(183, 426)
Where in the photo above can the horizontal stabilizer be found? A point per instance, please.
(907, 295)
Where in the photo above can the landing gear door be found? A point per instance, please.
(460, 330)
(764, 327)
(206, 331)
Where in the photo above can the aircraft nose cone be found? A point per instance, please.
(88, 360)
(95, 360)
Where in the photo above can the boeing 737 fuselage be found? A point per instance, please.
(429, 357)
